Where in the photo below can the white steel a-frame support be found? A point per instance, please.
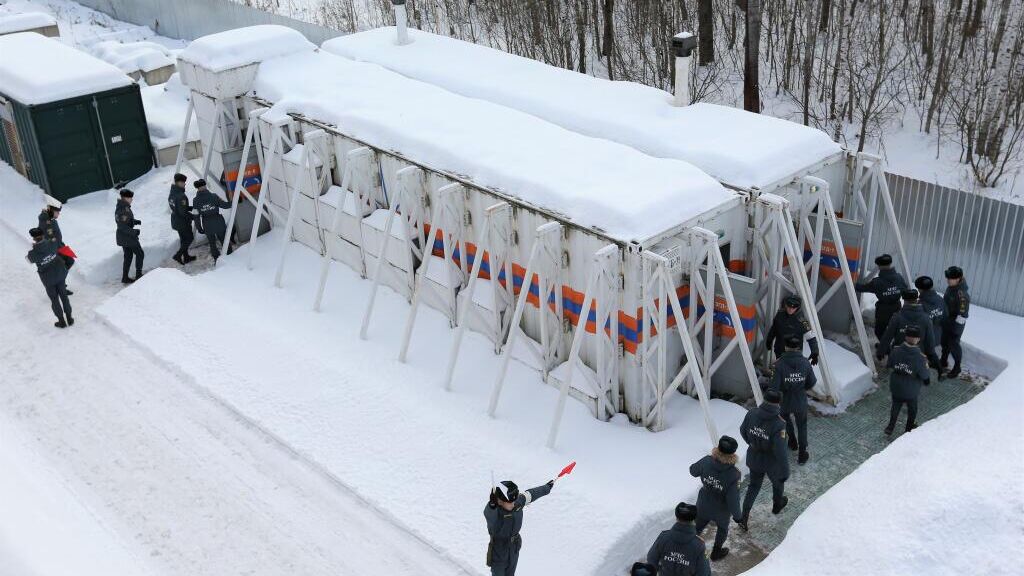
(494, 234)
(353, 159)
(409, 200)
(446, 225)
(658, 295)
(603, 288)
(870, 185)
(545, 262)
(314, 149)
(279, 139)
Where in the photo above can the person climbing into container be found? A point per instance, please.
(909, 373)
(127, 236)
(887, 286)
(794, 377)
(912, 314)
(181, 219)
(212, 224)
(51, 231)
(933, 304)
(52, 272)
(504, 515)
(719, 497)
(678, 551)
(789, 322)
(958, 304)
(765, 434)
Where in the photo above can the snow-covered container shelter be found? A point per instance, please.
(38, 22)
(784, 168)
(580, 253)
(146, 61)
(72, 123)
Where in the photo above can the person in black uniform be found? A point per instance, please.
(128, 236)
(209, 205)
(679, 551)
(181, 219)
(912, 314)
(887, 286)
(765, 434)
(793, 377)
(789, 322)
(958, 304)
(719, 497)
(52, 273)
(51, 231)
(933, 304)
(909, 373)
(504, 515)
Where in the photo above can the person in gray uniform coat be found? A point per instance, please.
(719, 497)
(765, 434)
(209, 205)
(181, 219)
(887, 286)
(52, 273)
(504, 515)
(909, 373)
(933, 304)
(958, 305)
(127, 236)
(789, 322)
(679, 551)
(912, 314)
(51, 231)
(793, 377)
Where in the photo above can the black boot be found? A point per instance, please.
(179, 259)
(778, 506)
(189, 258)
(803, 458)
(71, 321)
(743, 522)
(792, 444)
(888, 429)
(954, 372)
(60, 323)
(911, 426)
(126, 280)
(68, 290)
(718, 554)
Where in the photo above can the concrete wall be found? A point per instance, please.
(190, 19)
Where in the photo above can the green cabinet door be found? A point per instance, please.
(66, 134)
(126, 137)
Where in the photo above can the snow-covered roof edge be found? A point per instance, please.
(68, 72)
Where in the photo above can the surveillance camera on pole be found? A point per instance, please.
(683, 45)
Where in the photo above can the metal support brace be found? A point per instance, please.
(305, 176)
(546, 238)
(869, 177)
(240, 190)
(277, 143)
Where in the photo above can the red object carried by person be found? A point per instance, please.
(567, 470)
(66, 250)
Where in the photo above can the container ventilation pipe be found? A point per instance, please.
(683, 45)
(401, 22)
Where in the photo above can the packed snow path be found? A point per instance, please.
(177, 477)
(838, 445)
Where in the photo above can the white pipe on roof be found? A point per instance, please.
(683, 45)
(401, 22)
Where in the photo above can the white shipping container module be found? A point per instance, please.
(591, 219)
(37, 22)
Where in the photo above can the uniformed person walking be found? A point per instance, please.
(909, 373)
(181, 219)
(719, 497)
(887, 286)
(504, 515)
(52, 272)
(51, 231)
(789, 322)
(912, 314)
(128, 236)
(209, 205)
(679, 551)
(933, 304)
(958, 304)
(765, 434)
(793, 377)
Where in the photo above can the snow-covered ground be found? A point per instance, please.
(83, 27)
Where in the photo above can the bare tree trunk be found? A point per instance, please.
(752, 45)
(705, 32)
(810, 44)
(609, 35)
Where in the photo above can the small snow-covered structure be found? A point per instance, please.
(71, 123)
(166, 109)
(144, 60)
(589, 248)
(785, 168)
(38, 22)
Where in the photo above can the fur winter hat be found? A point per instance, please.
(954, 272)
(910, 295)
(686, 512)
(727, 445)
(884, 260)
(794, 342)
(773, 396)
(924, 283)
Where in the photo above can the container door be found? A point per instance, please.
(71, 154)
(123, 128)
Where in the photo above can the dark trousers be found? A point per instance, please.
(756, 480)
(801, 428)
(132, 251)
(951, 345)
(721, 530)
(897, 406)
(58, 294)
(185, 237)
(216, 240)
(508, 566)
(884, 313)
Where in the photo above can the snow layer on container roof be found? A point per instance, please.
(36, 70)
(235, 48)
(26, 21)
(594, 183)
(737, 147)
(133, 56)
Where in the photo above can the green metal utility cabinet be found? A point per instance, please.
(72, 123)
